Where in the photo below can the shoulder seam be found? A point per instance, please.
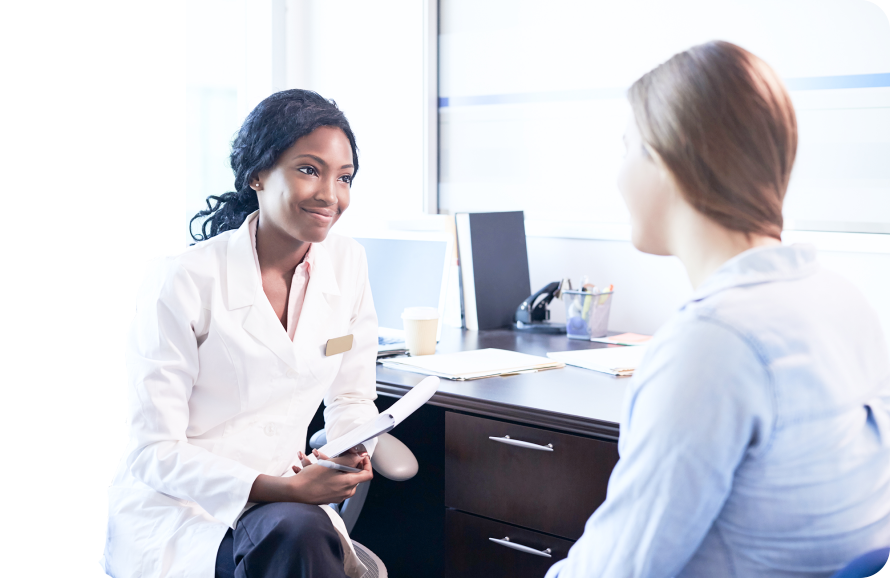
(761, 355)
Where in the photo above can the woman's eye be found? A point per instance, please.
(308, 170)
(346, 179)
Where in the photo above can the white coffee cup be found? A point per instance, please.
(421, 325)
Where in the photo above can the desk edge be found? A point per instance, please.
(557, 421)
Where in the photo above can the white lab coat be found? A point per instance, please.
(219, 394)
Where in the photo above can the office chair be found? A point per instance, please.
(868, 564)
(393, 460)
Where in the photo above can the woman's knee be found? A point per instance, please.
(303, 525)
(286, 537)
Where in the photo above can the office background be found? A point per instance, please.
(117, 121)
(461, 105)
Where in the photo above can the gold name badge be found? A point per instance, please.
(338, 345)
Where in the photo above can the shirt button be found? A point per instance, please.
(270, 429)
(291, 373)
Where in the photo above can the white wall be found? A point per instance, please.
(369, 57)
(93, 147)
(649, 289)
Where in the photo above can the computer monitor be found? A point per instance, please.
(408, 270)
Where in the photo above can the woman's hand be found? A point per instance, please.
(314, 484)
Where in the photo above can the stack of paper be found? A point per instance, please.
(472, 364)
(623, 339)
(620, 361)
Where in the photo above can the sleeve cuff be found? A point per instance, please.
(554, 570)
(237, 495)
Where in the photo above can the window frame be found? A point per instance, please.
(824, 240)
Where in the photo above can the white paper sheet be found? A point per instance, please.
(396, 414)
(612, 360)
(472, 364)
(414, 399)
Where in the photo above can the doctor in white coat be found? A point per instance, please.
(227, 365)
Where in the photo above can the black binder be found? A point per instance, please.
(493, 267)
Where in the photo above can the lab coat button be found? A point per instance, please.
(270, 429)
(291, 373)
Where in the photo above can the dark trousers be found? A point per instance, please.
(281, 540)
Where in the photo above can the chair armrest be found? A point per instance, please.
(392, 459)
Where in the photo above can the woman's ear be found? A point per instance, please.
(664, 173)
(653, 155)
(257, 181)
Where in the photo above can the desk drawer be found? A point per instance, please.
(469, 553)
(550, 491)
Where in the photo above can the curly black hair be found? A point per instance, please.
(270, 129)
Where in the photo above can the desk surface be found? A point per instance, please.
(569, 399)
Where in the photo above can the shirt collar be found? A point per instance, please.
(760, 265)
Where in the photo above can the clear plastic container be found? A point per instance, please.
(587, 314)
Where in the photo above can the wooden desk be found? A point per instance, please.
(470, 488)
(571, 399)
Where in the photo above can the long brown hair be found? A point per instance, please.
(723, 124)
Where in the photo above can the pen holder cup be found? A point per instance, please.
(587, 314)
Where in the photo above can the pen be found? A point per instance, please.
(588, 300)
(339, 467)
(604, 296)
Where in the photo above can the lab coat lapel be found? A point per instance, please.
(245, 289)
(242, 277)
(262, 324)
(316, 315)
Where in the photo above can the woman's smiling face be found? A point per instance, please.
(307, 189)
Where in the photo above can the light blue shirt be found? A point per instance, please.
(755, 438)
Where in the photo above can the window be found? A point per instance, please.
(369, 60)
(214, 61)
(532, 105)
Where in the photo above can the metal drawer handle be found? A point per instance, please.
(522, 444)
(505, 541)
